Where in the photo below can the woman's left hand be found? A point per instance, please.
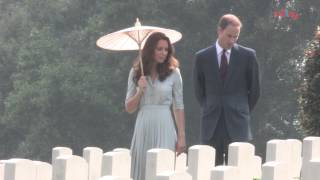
(180, 145)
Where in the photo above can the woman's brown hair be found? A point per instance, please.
(164, 69)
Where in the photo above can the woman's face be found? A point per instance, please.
(161, 51)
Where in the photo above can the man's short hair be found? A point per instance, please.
(229, 19)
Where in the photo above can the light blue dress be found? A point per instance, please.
(155, 126)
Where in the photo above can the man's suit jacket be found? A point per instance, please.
(237, 95)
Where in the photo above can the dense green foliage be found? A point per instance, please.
(58, 89)
(310, 88)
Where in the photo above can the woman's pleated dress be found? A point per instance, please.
(155, 126)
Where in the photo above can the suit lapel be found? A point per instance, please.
(232, 62)
(214, 63)
(215, 60)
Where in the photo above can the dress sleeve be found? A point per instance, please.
(177, 90)
(131, 90)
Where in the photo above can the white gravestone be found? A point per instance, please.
(225, 173)
(44, 170)
(158, 161)
(310, 152)
(2, 169)
(59, 151)
(277, 150)
(181, 162)
(19, 169)
(295, 158)
(93, 156)
(170, 175)
(70, 167)
(116, 164)
(201, 159)
(121, 150)
(274, 170)
(314, 169)
(241, 155)
(257, 167)
(114, 178)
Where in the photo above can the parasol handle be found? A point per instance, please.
(140, 60)
(137, 24)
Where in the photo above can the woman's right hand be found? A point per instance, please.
(142, 83)
(133, 102)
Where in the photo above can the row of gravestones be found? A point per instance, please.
(288, 159)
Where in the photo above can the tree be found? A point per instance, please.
(61, 82)
(58, 88)
(310, 88)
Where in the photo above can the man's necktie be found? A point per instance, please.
(223, 65)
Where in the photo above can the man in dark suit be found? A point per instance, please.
(227, 87)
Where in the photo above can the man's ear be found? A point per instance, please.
(219, 30)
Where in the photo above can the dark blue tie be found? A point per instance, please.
(223, 65)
